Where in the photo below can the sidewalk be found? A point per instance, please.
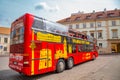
(109, 54)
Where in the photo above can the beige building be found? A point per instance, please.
(4, 40)
(103, 25)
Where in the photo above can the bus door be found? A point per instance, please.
(46, 57)
(75, 53)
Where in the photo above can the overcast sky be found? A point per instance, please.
(50, 9)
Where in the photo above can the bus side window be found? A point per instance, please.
(83, 48)
(91, 47)
(87, 48)
(74, 48)
(79, 48)
(69, 48)
(39, 24)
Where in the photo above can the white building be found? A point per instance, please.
(4, 40)
(103, 25)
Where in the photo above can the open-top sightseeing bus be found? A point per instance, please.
(39, 46)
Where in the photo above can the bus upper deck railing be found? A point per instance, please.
(67, 35)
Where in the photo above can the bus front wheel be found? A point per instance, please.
(60, 66)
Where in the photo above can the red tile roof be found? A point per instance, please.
(4, 30)
(91, 16)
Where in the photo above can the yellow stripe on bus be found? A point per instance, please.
(32, 46)
(32, 69)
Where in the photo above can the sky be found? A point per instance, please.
(52, 10)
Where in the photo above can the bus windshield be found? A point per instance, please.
(17, 34)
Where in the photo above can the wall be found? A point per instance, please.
(2, 36)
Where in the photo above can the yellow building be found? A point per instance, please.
(4, 40)
(103, 25)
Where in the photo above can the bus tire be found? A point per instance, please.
(21, 73)
(93, 57)
(60, 66)
(70, 63)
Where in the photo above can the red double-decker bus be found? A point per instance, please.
(39, 46)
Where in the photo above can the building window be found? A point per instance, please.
(88, 17)
(84, 25)
(70, 26)
(5, 48)
(77, 26)
(92, 34)
(5, 40)
(99, 24)
(99, 35)
(77, 19)
(114, 33)
(68, 20)
(113, 23)
(111, 14)
(100, 44)
(99, 16)
(91, 25)
(1, 46)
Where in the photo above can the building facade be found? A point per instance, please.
(103, 25)
(4, 40)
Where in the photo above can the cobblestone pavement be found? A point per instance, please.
(103, 68)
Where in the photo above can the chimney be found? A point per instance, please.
(115, 9)
(93, 11)
(105, 9)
